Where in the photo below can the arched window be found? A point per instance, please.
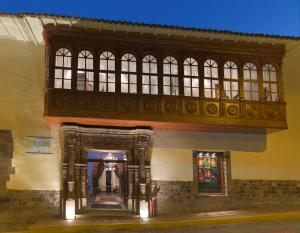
(250, 82)
(63, 72)
(170, 76)
(211, 79)
(150, 80)
(128, 74)
(85, 72)
(231, 85)
(191, 78)
(107, 76)
(270, 83)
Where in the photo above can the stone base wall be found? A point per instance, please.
(180, 196)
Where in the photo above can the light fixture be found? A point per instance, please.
(144, 211)
(70, 209)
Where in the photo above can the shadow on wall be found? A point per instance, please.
(211, 141)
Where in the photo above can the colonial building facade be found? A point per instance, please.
(145, 119)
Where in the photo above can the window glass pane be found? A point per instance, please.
(132, 66)
(187, 91)
(273, 76)
(59, 61)
(111, 77)
(253, 74)
(234, 86)
(187, 82)
(124, 88)
(266, 75)
(207, 93)
(124, 78)
(174, 81)
(215, 84)
(274, 87)
(111, 87)
(153, 68)
(146, 89)
(90, 76)
(58, 73)
(102, 77)
(81, 63)
(255, 95)
(247, 95)
(111, 65)
(235, 95)
(254, 86)
(145, 67)
(227, 73)
(214, 72)
(194, 70)
(145, 79)
(195, 82)
(246, 86)
(234, 74)
(102, 87)
(166, 68)
(207, 72)
(125, 66)
(154, 90)
(187, 71)
(207, 83)
(57, 83)
(132, 88)
(195, 92)
(174, 90)
(174, 69)
(132, 78)
(67, 74)
(154, 80)
(103, 64)
(89, 64)
(246, 75)
(226, 85)
(166, 90)
(67, 84)
(67, 61)
(274, 97)
(89, 86)
(166, 80)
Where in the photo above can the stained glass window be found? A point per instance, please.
(210, 171)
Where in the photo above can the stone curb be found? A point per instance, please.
(163, 224)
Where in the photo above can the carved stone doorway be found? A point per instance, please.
(78, 140)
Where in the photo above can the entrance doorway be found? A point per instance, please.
(106, 179)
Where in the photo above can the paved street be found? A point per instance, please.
(253, 227)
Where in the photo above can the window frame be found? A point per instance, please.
(85, 70)
(151, 75)
(63, 68)
(108, 56)
(191, 62)
(251, 67)
(231, 80)
(172, 77)
(129, 73)
(211, 64)
(269, 82)
(224, 155)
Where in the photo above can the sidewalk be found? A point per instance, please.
(166, 221)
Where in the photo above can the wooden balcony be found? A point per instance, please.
(162, 112)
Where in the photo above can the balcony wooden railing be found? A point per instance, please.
(130, 109)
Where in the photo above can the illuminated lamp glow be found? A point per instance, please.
(144, 211)
(70, 209)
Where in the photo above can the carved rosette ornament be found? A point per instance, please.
(149, 106)
(191, 107)
(212, 109)
(129, 105)
(171, 107)
(273, 113)
(252, 111)
(232, 111)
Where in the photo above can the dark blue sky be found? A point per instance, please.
(279, 17)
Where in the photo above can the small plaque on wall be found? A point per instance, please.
(39, 145)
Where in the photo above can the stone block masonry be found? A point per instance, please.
(181, 196)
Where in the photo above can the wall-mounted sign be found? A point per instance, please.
(38, 145)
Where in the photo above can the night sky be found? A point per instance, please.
(280, 17)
